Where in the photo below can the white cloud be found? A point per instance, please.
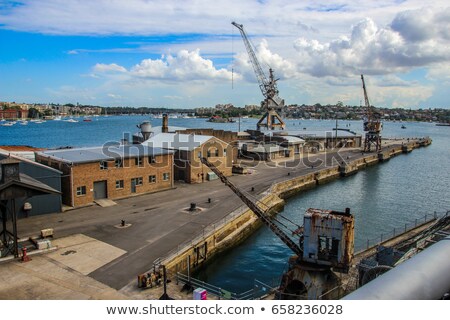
(284, 69)
(380, 50)
(112, 67)
(186, 65)
(154, 17)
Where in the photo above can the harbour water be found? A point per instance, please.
(381, 197)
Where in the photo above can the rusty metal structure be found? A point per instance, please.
(327, 241)
(328, 238)
(372, 125)
(325, 245)
(272, 103)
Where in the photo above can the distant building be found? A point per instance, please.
(13, 114)
(189, 148)
(109, 172)
(325, 139)
(264, 151)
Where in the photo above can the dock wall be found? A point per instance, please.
(241, 223)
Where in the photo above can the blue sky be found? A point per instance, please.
(185, 54)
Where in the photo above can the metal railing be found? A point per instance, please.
(383, 237)
(259, 290)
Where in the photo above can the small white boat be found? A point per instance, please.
(71, 120)
(8, 124)
(23, 122)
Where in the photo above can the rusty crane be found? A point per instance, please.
(372, 124)
(268, 86)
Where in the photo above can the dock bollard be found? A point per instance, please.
(122, 223)
(25, 257)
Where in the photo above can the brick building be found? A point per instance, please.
(111, 172)
(189, 148)
(13, 114)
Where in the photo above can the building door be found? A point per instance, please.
(133, 185)
(100, 191)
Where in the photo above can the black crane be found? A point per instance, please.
(261, 214)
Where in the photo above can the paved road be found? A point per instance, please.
(160, 221)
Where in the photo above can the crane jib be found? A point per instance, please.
(255, 208)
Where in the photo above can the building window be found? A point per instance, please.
(166, 176)
(118, 163)
(138, 162)
(224, 152)
(119, 184)
(103, 165)
(81, 191)
(136, 181)
(199, 154)
(151, 159)
(152, 179)
(217, 152)
(208, 154)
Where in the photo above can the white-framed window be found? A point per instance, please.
(152, 179)
(81, 191)
(151, 159)
(166, 176)
(118, 163)
(138, 161)
(103, 165)
(119, 184)
(138, 181)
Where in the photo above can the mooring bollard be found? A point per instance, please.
(25, 257)
(122, 223)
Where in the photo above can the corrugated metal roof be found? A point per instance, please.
(267, 148)
(23, 159)
(177, 141)
(111, 152)
(158, 130)
(318, 134)
(292, 139)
